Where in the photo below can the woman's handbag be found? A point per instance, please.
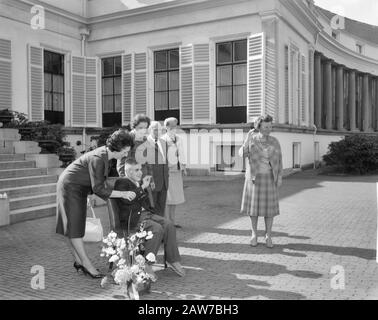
(93, 227)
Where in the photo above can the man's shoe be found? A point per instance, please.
(176, 267)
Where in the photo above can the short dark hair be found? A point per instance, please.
(131, 162)
(139, 118)
(119, 140)
(261, 119)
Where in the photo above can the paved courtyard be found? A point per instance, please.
(326, 222)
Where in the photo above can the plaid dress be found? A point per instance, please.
(260, 194)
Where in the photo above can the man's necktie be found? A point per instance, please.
(156, 151)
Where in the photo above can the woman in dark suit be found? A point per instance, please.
(86, 175)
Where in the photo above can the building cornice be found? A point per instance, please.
(304, 15)
(180, 6)
(54, 10)
(346, 56)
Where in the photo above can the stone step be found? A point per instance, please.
(27, 181)
(7, 134)
(32, 201)
(4, 165)
(32, 213)
(32, 190)
(12, 157)
(6, 147)
(18, 173)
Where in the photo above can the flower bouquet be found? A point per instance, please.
(127, 265)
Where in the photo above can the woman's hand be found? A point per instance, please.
(184, 171)
(128, 195)
(279, 182)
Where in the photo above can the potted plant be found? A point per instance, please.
(6, 116)
(67, 155)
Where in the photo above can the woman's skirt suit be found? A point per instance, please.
(84, 176)
(176, 159)
(264, 167)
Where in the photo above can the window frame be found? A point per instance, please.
(168, 70)
(52, 73)
(231, 64)
(112, 76)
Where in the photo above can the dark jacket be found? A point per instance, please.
(157, 169)
(131, 209)
(90, 171)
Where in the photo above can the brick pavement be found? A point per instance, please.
(325, 221)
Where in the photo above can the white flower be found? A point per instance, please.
(121, 262)
(134, 269)
(140, 260)
(122, 276)
(114, 258)
(133, 238)
(102, 255)
(151, 258)
(142, 234)
(149, 235)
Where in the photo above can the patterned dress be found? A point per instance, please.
(260, 194)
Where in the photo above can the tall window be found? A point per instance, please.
(232, 81)
(54, 87)
(111, 92)
(166, 90)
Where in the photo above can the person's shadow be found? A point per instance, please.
(231, 278)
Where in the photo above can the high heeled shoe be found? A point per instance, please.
(77, 266)
(93, 276)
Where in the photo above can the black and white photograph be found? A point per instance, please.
(195, 152)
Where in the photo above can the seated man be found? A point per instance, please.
(141, 211)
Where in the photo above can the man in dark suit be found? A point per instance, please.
(157, 166)
(135, 212)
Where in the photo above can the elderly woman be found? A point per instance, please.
(87, 175)
(263, 177)
(177, 167)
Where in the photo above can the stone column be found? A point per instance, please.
(318, 90)
(376, 104)
(366, 106)
(340, 98)
(352, 101)
(328, 93)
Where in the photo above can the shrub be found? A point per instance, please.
(354, 154)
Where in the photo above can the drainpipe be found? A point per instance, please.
(84, 32)
(314, 136)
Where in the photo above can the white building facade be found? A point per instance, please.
(214, 65)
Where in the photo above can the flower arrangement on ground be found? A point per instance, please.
(127, 265)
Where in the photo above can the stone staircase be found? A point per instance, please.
(28, 178)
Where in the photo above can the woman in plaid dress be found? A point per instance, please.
(263, 177)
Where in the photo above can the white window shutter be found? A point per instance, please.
(270, 78)
(36, 83)
(287, 86)
(85, 92)
(140, 83)
(186, 84)
(126, 88)
(303, 91)
(78, 83)
(91, 92)
(311, 87)
(201, 90)
(5, 74)
(256, 77)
